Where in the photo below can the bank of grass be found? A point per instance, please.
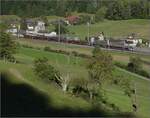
(115, 29)
(115, 95)
(9, 17)
(122, 57)
(58, 99)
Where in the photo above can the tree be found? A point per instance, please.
(7, 46)
(45, 20)
(60, 8)
(44, 70)
(99, 68)
(23, 25)
(84, 19)
(64, 81)
(92, 88)
(100, 14)
(91, 8)
(63, 29)
(129, 90)
(135, 64)
(3, 27)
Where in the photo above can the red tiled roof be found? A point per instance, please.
(72, 18)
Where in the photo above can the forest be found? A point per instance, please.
(112, 9)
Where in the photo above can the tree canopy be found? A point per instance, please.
(116, 9)
(100, 66)
(7, 46)
(44, 70)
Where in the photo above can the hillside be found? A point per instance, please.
(75, 58)
(115, 29)
(122, 57)
(23, 71)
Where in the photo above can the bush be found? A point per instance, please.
(114, 107)
(44, 70)
(144, 73)
(84, 19)
(75, 53)
(132, 67)
(27, 46)
(100, 14)
(47, 48)
(7, 46)
(135, 64)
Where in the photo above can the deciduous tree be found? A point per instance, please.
(100, 14)
(44, 70)
(7, 46)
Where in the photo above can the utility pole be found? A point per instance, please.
(135, 97)
(134, 101)
(18, 29)
(59, 30)
(88, 24)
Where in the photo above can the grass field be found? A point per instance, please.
(23, 71)
(122, 57)
(115, 29)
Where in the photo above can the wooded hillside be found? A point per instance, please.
(115, 9)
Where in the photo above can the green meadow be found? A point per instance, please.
(119, 56)
(115, 29)
(23, 72)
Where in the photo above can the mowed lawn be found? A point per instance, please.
(76, 67)
(115, 29)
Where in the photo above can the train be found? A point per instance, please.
(121, 44)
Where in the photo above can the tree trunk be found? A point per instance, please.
(64, 87)
(91, 95)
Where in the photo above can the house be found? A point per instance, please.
(40, 26)
(73, 19)
(13, 27)
(34, 26)
(30, 24)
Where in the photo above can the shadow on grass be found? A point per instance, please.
(24, 100)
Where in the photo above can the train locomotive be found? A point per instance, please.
(121, 44)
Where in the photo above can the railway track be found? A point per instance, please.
(143, 51)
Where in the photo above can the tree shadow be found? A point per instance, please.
(24, 100)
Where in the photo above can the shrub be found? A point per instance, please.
(144, 73)
(84, 19)
(47, 48)
(75, 53)
(114, 107)
(26, 46)
(44, 70)
(7, 46)
(135, 64)
(100, 14)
